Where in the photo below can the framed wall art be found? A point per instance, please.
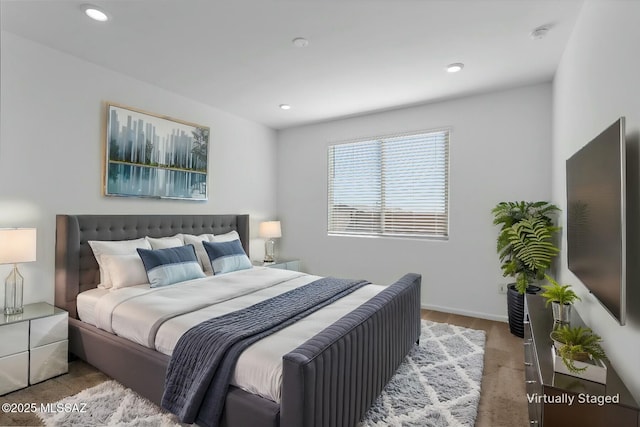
(149, 155)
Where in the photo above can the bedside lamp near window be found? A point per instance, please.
(270, 230)
(16, 245)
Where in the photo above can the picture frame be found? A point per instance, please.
(154, 156)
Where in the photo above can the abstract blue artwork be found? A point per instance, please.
(149, 155)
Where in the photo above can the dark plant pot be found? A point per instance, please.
(515, 308)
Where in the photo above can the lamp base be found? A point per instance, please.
(9, 311)
(269, 251)
(13, 292)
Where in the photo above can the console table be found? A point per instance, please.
(562, 400)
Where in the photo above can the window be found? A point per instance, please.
(390, 186)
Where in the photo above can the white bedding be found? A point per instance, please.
(156, 318)
(86, 304)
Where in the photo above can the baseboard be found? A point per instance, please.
(465, 313)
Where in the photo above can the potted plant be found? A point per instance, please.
(561, 297)
(577, 344)
(525, 248)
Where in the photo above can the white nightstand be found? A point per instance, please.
(33, 346)
(290, 264)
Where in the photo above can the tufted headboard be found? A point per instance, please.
(76, 267)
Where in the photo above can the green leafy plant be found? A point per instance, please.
(525, 242)
(578, 343)
(555, 292)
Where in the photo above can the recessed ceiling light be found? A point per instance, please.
(285, 106)
(300, 42)
(95, 13)
(540, 32)
(454, 68)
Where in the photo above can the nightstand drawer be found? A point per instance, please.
(14, 338)
(14, 372)
(49, 329)
(48, 361)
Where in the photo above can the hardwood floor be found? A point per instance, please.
(502, 397)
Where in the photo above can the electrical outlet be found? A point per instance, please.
(502, 288)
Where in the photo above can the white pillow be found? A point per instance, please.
(165, 242)
(125, 270)
(196, 241)
(121, 247)
(226, 237)
(203, 236)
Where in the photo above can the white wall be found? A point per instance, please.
(597, 82)
(500, 150)
(51, 139)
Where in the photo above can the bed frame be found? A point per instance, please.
(330, 380)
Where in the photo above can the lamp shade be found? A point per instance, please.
(17, 245)
(270, 229)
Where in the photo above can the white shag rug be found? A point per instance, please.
(437, 385)
(107, 404)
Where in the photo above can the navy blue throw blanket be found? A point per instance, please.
(204, 358)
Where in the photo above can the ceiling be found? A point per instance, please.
(363, 55)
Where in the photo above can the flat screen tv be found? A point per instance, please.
(596, 218)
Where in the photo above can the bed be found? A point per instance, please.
(329, 380)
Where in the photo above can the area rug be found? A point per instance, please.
(437, 385)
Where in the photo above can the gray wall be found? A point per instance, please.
(597, 82)
(500, 150)
(51, 139)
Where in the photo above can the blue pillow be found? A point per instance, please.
(226, 257)
(171, 265)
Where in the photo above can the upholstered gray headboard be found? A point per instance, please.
(76, 267)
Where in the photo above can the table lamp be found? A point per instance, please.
(270, 230)
(16, 245)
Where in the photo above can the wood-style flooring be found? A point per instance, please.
(502, 397)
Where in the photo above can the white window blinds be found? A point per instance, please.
(391, 186)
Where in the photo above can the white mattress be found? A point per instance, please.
(156, 318)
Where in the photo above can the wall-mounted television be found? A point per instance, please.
(596, 225)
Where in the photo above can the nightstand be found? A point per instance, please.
(33, 346)
(291, 264)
